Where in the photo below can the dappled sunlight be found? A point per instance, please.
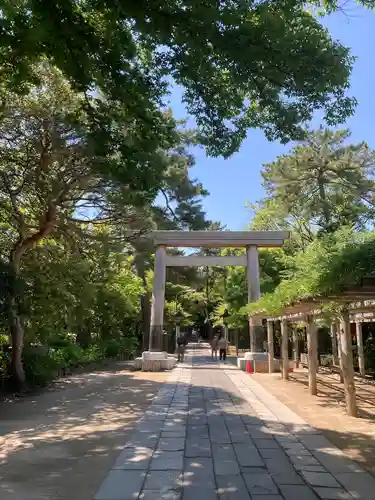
(105, 420)
(326, 412)
(72, 434)
(218, 419)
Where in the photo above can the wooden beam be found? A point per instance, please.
(202, 260)
(347, 364)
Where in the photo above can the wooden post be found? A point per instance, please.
(271, 354)
(347, 364)
(361, 354)
(284, 349)
(177, 335)
(335, 354)
(295, 347)
(312, 349)
(338, 337)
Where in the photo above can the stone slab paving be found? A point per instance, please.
(212, 432)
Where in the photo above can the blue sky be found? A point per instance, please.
(235, 181)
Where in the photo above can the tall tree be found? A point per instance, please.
(242, 64)
(50, 183)
(323, 183)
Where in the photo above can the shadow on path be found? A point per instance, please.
(201, 439)
(59, 444)
(208, 435)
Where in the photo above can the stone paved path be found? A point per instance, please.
(213, 433)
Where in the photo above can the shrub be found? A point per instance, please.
(62, 340)
(5, 359)
(111, 348)
(92, 353)
(73, 354)
(42, 364)
(129, 346)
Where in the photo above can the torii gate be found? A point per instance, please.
(251, 240)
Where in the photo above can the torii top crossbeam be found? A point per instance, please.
(219, 239)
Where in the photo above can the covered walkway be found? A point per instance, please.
(213, 432)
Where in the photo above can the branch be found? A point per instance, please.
(105, 220)
(168, 205)
(24, 244)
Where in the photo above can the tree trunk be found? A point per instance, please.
(325, 204)
(17, 336)
(16, 324)
(84, 337)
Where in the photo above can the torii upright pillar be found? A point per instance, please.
(253, 283)
(157, 307)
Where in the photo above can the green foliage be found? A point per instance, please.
(328, 266)
(329, 6)
(323, 192)
(242, 64)
(233, 286)
(43, 363)
(67, 263)
(322, 184)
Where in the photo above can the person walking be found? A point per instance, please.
(214, 348)
(223, 347)
(181, 346)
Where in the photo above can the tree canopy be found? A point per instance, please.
(242, 64)
(324, 180)
(68, 262)
(91, 153)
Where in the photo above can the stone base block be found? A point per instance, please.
(261, 362)
(137, 364)
(154, 355)
(256, 356)
(154, 362)
(158, 365)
